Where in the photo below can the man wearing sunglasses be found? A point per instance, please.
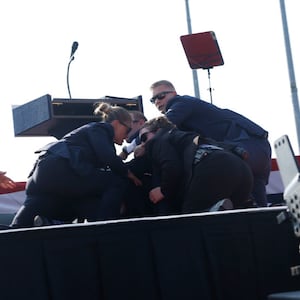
(193, 114)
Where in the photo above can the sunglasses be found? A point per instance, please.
(125, 125)
(160, 96)
(144, 137)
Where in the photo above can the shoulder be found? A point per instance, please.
(183, 100)
(161, 139)
(101, 127)
(91, 129)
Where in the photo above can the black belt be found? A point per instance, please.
(203, 151)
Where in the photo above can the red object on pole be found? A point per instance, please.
(202, 50)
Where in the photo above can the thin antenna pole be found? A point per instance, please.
(210, 88)
(291, 70)
(195, 75)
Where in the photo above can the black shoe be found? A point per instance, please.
(250, 204)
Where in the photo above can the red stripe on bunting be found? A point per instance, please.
(274, 165)
(20, 186)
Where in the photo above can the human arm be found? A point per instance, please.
(191, 114)
(134, 179)
(123, 154)
(102, 148)
(128, 149)
(167, 170)
(180, 110)
(6, 182)
(139, 151)
(155, 195)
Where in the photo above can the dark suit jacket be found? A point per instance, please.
(88, 147)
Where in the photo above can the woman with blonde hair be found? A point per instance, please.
(80, 175)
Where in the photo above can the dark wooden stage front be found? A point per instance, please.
(225, 255)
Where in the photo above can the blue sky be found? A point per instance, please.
(124, 46)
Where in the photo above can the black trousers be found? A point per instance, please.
(259, 160)
(219, 175)
(55, 191)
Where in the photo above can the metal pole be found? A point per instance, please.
(195, 75)
(291, 70)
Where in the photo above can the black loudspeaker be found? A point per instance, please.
(45, 116)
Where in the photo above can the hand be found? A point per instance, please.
(6, 182)
(139, 151)
(135, 180)
(123, 155)
(155, 195)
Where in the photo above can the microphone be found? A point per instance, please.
(74, 48)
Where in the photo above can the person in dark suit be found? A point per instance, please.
(191, 173)
(192, 114)
(80, 176)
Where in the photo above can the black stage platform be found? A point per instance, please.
(241, 255)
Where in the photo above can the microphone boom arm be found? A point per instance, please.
(68, 71)
(74, 49)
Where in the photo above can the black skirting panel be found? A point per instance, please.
(227, 255)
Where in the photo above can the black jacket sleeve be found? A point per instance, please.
(88, 147)
(167, 168)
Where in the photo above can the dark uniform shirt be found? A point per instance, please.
(192, 114)
(88, 147)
